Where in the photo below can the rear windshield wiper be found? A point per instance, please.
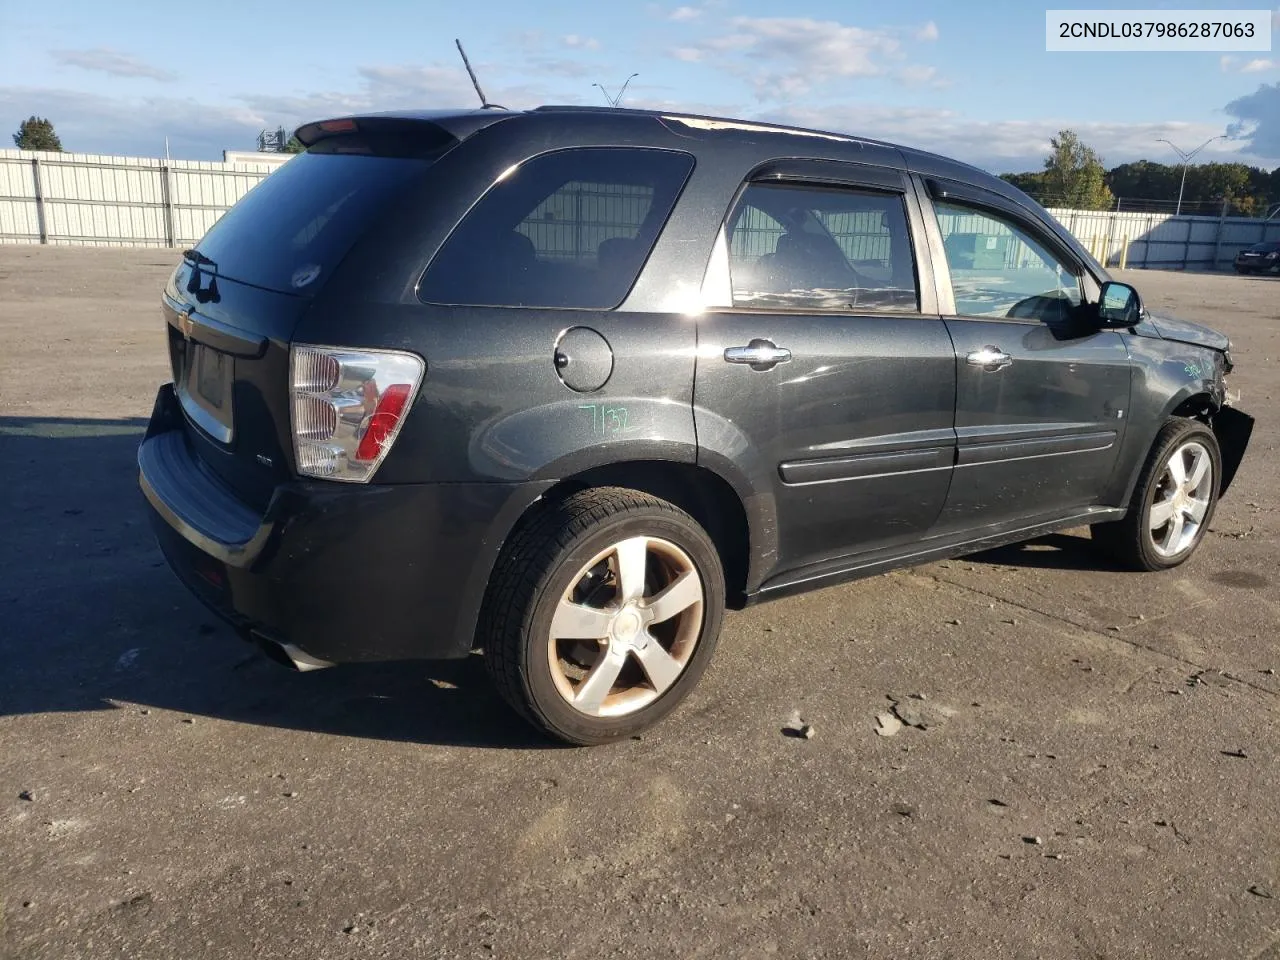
(202, 294)
(195, 256)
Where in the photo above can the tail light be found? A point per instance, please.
(347, 407)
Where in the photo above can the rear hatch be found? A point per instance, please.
(232, 305)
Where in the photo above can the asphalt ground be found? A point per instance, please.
(1101, 783)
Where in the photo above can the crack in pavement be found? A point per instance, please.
(1108, 634)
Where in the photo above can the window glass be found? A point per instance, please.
(1000, 270)
(567, 229)
(298, 223)
(820, 248)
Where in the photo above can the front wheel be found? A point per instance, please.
(1173, 501)
(602, 614)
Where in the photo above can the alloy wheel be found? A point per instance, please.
(1181, 499)
(626, 627)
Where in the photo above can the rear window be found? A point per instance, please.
(1266, 247)
(291, 230)
(566, 229)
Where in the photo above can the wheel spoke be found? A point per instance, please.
(576, 621)
(1176, 525)
(1196, 509)
(597, 684)
(660, 667)
(1177, 469)
(1199, 467)
(632, 556)
(1161, 511)
(684, 592)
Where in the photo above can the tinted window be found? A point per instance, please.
(998, 269)
(567, 229)
(818, 248)
(292, 229)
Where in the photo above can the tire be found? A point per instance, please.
(1242, 271)
(1133, 541)
(575, 570)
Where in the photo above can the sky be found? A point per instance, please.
(971, 79)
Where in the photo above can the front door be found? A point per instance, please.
(1041, 398)
(821, 370)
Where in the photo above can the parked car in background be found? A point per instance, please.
(565, 384)
(1260, 258)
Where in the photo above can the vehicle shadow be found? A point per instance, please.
(94, 619)
(1053, 551)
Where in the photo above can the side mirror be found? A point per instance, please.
(1119, 305)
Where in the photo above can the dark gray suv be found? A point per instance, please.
(563, 384)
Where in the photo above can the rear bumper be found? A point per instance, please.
(342, 572)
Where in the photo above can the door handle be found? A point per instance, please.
(760, 354)
(989, 358)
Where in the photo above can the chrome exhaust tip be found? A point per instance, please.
(301, 660)
(287, 654)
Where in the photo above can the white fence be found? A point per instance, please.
(91, 200)
(87, 199)
(1161, 241)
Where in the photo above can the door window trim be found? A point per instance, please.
(934, 189)
(717, 286)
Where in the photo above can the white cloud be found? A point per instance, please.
(137, 126)
(927, 33)
(577, 42)
(392, 87)
(1006, 145)
(681, 14)
(1232, 64)
(108, 60)
(918, 75)
(783, 57)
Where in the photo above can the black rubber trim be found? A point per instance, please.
(1233, 428)
(196, 504)
(973, 454)
(864, 465)
(834, 172)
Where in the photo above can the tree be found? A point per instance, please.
(294, 145)
(1075, 173)
(1034, 184)
(36, 133)
(1247, 191)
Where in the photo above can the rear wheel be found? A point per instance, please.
(603, 614)
(1173, 501)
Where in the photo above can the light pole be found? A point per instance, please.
(1186, 159)
(614, 101)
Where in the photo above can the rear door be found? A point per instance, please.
(1041, 394)
(820, 364)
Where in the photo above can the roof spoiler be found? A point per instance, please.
(439, 125)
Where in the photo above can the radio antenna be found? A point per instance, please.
(614, 101)
(484, 104)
